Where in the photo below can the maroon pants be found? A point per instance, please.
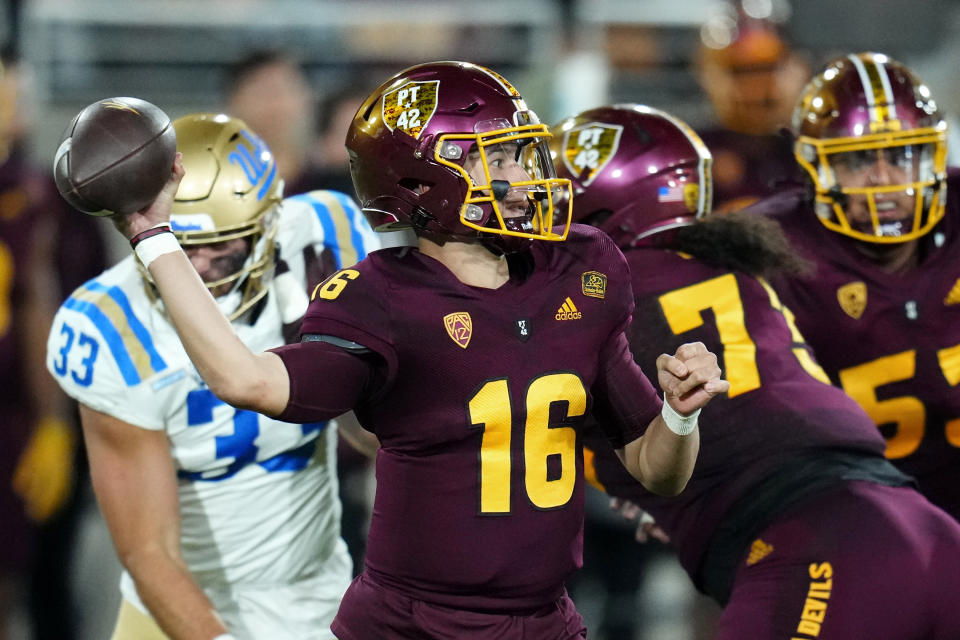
(859, 561)
(370, 610)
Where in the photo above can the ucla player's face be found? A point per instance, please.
(217, 261)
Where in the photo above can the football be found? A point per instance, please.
(115, 156)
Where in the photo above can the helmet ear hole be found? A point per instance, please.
(414, 186)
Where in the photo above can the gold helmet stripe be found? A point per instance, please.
(509, 88)
(876, 87)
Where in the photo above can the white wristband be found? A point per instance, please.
(680, 425)
(153, 247)
(224, 636)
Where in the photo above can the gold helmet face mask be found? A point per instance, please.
(231, 190)
(919, 156)
(544, 193)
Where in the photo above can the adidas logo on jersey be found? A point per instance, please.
(568, 311)
(758, 551)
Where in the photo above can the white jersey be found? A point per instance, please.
(259, 509)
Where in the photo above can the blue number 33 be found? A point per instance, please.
(83, 376)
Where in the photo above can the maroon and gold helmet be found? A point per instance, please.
(636, 171)
(411, 137)
(874, 144)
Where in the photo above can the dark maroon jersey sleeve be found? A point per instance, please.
(352, 305)
(626, 402)
(347, 379)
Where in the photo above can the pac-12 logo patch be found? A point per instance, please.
(459, 327)
(589, 148)
(593, 284)
(411, 106)
(853, 299)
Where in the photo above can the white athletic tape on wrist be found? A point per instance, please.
(680, 425)
(152, 248)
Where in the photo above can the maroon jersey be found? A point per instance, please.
(479, 500)
(892, 341)
(766, 434)
(747, 168)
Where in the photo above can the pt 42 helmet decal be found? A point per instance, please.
(589, 148)
(411, 106)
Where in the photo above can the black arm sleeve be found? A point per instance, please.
(327, 380)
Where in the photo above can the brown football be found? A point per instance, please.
(115, 156)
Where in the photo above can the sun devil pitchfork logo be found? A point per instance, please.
(459, 327)
(853, 299)
(588, 149)
(411, 106)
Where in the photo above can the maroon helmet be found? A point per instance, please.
(411, 138)
(874, 145)
(636, 171)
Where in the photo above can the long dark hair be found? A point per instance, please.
(737, 241)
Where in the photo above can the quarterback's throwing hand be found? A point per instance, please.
(690, 377)
(157, 211)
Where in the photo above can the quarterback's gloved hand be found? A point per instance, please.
(44, 475)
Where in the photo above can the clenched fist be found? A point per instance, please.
(690, 377)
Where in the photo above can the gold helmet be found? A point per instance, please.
(870, 136)
(231, 190)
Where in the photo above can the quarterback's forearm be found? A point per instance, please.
(234, 373)
(662, 460)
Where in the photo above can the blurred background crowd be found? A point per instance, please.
(295, 70)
